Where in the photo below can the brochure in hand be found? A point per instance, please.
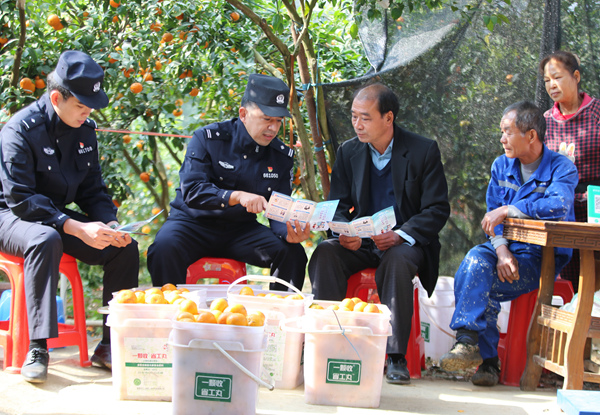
(284, 208)
(134, 228)
(365, 227)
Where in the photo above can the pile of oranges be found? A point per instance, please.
(222, 313)
(167, 294)
(350, 304)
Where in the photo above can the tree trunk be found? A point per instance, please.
(551, 33)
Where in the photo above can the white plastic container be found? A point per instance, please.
(205, 380)
(282, 360)
(436, 313)
(343, 362)
(141, 357)
(213, 291)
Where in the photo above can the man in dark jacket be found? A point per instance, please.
(385, 166)
(49, 159)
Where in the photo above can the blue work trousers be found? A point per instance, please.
(478, 291)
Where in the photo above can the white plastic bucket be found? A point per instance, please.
(343, 362)
(216, 368)
(436, 314)
(282, 360)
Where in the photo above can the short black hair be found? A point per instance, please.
(528, 117)
(386, 98)
(52, 85)
(568, 59)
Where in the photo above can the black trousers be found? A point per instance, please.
(181, 242)
(42, 247)
(331, 265)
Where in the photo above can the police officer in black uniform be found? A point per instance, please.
(49, 159)
(229, 172)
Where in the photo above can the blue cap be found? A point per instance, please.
(269, 93)
(79, 74)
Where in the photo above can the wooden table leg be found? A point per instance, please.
(583, 315)
(532, 372)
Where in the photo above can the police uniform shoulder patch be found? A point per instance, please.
(218, 131)
(278, 145)
(32, 120)
(90, 123)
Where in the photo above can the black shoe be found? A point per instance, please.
(461, 356)
(487, 373)
(397, 373)
(102, 356)
(35, 367)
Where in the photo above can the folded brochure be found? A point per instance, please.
(284, 208)
(134, 228)
(365, 227)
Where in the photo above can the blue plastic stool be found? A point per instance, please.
(5, 307)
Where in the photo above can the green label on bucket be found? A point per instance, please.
(425, 331)
(346, 372)
(213, 387)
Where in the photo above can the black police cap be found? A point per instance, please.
(269, 93)
(78, 73)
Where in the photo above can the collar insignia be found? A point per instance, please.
(49, 150)
(226, 165)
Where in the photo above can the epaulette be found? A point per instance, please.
(218, 131)
(278, 145)
(32, 121)
(90, 123)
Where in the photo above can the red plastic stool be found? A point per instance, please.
(362, 285)
(224, 269)
(17, 329)
(512, 347)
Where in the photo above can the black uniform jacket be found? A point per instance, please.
(420, 190)
(46, 165)
(223, 157)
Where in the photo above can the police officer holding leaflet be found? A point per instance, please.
(229, 172)
(49, 159)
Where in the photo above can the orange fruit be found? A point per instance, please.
(115, 19)
(28, 85)
(136, 87)
(357, 300)
(360, 306)
(148, 77)
(140, 145)
(333, 307)
(126, 139)
(256, 318)
(219, 304)
(155, 27)
(177, 112)
(156, 299)
(189, 306)
(116, 203)
(237, 308)
(146, 229)
(59, 27)
(261, 295)
(216, 313)
(180, 17)
(53, 20)
(158, 65)
(206, 317)
(371, 308)
(179, 102)
(246, 291)
(316, 306)
(236, 319)
(167, 37)
(119, 96)
(141, 297)
(235, 16)
(183, 35)
(155, 211)
(126, 297)
(168, 287)
(293, 297)
(184, 290)
(344, 308)
(40, 84)
(348, 303)
(145, 177)
(3, 40)
(185, 316)
(153, 290)
(114, 4)
(222, 319)
(194, 92)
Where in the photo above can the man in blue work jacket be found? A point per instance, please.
(531, 182)
(48, 160)
(229, 172)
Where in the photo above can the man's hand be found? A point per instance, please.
(352, 243)
(386, 240)
(493, 219)
(121, 240)
(507, 266)
(95, 234)
(298, 234)
(252, 202)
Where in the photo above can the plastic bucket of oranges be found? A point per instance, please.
(282, 360)
(216, 365)
(344, 353)
(140, 321)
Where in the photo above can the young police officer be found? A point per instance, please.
(49, 159)
(230, 170)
